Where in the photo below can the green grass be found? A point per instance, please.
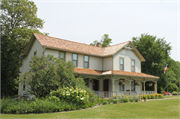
(171, 96)
(167, 108)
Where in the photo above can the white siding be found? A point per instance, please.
(26, 59)
(55, 53)
(107, 63)
(128, 55)
(68, 56)
(95, 63)
(80, 61)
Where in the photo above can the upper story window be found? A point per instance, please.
(75, 59)
(62, 55)
(35, 53)
(122, 64)
(133, 65)
(86, 61)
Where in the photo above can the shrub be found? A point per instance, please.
(131, 99)
(110, 100)
(175, 93)
(105, 102)
(120, 100)
(148, 96)
(136, 99)
(172, 87)
(125, 99)
(115, 101)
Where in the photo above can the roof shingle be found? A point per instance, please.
(78, 47)
(109, 72)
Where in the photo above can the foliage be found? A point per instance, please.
(105, 102)
(175, 93)
(137, 83)
(43, 105)
(125, 99)
(172, 87)
(110, 100)
(152, 96)
(48, 73)
(115, 101)
(151, 109)
(74, 95)
(131, 99)
(156, 52)
(18, 21)
(105, 41)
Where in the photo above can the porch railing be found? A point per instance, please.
(110, 94)
(148, 92)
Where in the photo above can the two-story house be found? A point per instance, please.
(103, 69)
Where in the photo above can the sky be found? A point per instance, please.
(86, 21)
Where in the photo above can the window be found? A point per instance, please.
(75, 59)
(35, 53)
(121, 86)
(86, 61)
(121, 64)
(62, 55)
(133, 65)
(133, 85)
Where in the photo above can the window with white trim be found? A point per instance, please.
(133, 65)
(86, 61)
(122, 64)
(75, 59)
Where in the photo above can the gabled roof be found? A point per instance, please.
(61, 44)
(114, 72)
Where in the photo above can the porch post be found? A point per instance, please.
(130, 86)
(155, 87)
(144, 87)
(101, 84)
(112, 79)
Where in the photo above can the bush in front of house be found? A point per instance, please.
(110, 100)
(125, 99)
(115, 101)
(105, 102)
(131, 100)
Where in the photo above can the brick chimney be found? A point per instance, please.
(99, 45)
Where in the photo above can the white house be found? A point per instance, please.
(101, 68)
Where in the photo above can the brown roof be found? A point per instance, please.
(62, 44)
(116, 72)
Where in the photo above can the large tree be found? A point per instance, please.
(105, 41)
(156, 52)
(18, 21)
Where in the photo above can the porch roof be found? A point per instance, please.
(110, 72)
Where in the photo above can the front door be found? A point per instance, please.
(106, 87)
(95, 85)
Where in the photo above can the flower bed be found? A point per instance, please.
(152, 96)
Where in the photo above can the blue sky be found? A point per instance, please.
(87, 21)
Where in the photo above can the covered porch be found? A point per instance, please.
(114, 83)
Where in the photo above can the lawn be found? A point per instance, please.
(171, 96)
(167, 108)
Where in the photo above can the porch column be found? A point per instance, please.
(130, 86)
(101, 84)
(112, 79)
(144, 86)
(155, 86)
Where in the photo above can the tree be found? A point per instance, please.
(18, 21)
(156, 52)
(105, 41)
(49, 73)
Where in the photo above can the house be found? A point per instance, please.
(104, 70)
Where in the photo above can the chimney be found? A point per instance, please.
(99, 45)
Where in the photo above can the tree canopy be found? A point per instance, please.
(49, 73)
(105, 41)
(156, 53)
(18, 21)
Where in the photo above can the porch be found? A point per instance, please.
(109, 87)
